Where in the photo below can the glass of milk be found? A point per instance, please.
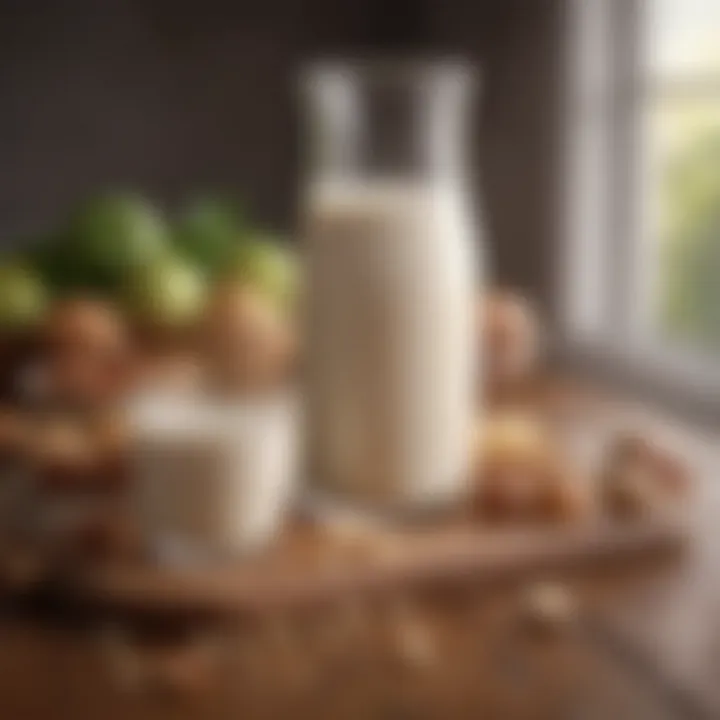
(212, 478)
(391, 239)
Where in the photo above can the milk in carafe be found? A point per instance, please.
(392, 256)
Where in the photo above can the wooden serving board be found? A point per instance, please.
(314, 563)
(311, 566)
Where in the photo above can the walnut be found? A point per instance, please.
(88, 356)
(522, 474)
(640, 477)
(548, 608)
(510, 332)
(86, 325)
(248, 344)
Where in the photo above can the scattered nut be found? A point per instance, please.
(188, 669)
(640, 478)
(631, 494)
(360, 540)
(523, 475)
(548, 607)
(511, 339)
(410, 637)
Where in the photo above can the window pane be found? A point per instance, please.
(683, 37)
(683, 213)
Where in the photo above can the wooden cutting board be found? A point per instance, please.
(311, 565)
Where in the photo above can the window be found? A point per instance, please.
(643, 191)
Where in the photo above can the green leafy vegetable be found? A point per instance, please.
(166, 293)
(106, 238)
(269, 265)
(210, 231)
(22, 297)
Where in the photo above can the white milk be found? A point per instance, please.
(392, 346)
(212, 478)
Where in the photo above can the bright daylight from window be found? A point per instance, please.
(644, 190)
(683, 118)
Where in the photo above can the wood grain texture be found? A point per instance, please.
(310, 567)
(433, 650)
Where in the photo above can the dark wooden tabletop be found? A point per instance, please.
(645, 643)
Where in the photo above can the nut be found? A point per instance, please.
(549, 607)
(640, 477)
(410, 636)
(15, 433)
(63, 443)
(248, 344)
(522, 474)
(85, 325)
(510, 337)
(87, 356)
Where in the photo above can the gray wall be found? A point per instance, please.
(174, 97)
(518, 44)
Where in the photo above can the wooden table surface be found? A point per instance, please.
(646, 644)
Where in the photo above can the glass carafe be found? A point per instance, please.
(391, 241)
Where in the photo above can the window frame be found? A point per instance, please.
(607, 270)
